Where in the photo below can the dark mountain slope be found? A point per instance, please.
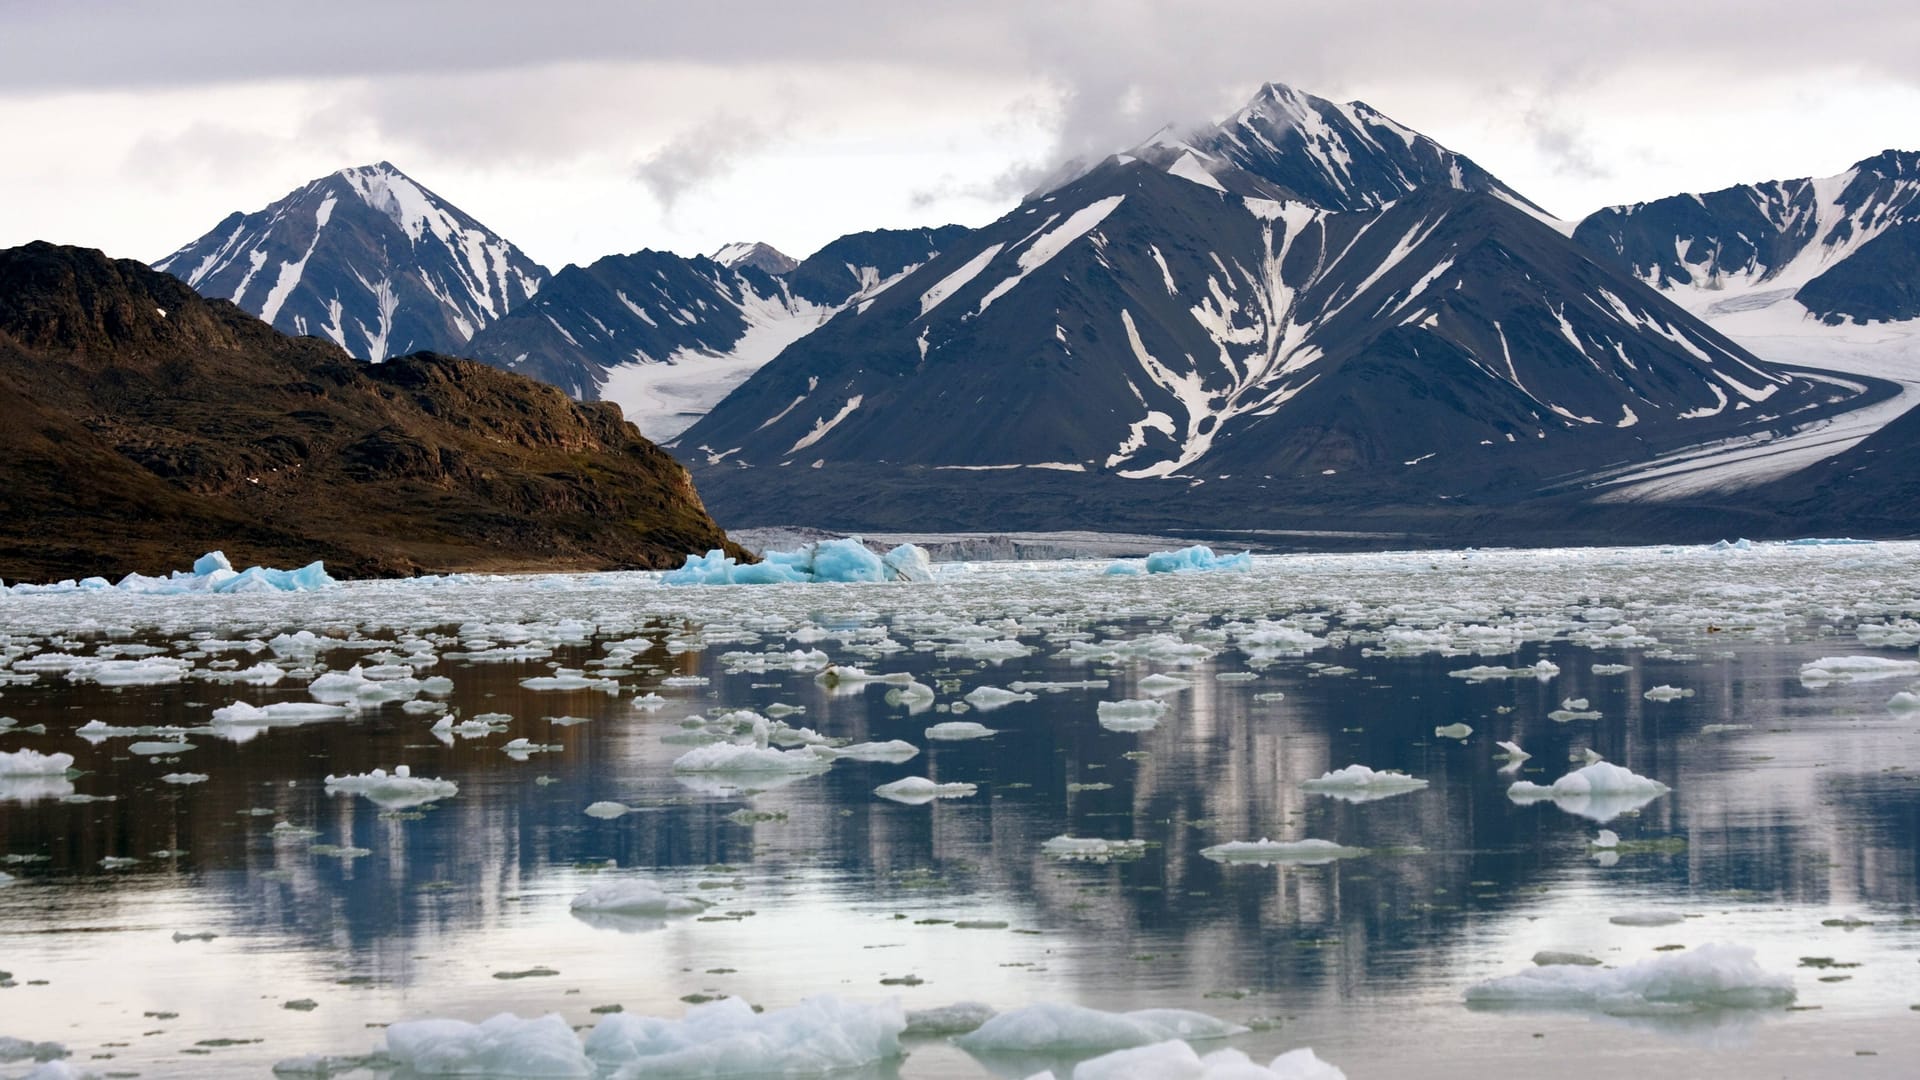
(148, 425)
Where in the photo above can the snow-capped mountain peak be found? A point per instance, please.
(760, 256)
(367, 257)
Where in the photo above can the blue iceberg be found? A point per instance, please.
(211, 573)
(1197, 557)
(826, 560)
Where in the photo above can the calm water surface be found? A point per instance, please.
(1792, 826)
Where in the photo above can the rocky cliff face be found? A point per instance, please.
(149, 425)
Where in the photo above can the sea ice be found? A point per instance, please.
(1453, 731)
(505, 1045)
(1713, 976)
(892, 751)
(394, 791)
(211, 573)
(241, 714)
(916, 790)
(1667, 693)
(1057, 1027)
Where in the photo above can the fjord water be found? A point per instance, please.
(1792, 826)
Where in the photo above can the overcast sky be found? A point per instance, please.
(578, 128)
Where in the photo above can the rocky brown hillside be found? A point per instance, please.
(146, 425)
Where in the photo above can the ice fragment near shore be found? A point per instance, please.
(1713, 976)
(211, 573)
(1057, 1027)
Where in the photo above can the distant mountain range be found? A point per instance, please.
(1305, 312)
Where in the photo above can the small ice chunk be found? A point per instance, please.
(1829, 669)
(992, 697)
(819, 1036)
(1607, 838)
(394, 791)
(917, 790)
(1512, 752)
(241, 714)
(184, 778)
(1133, 714)
(1199, 557)
(1554, 957)
(957, 730)
(1268, 852)
(1664, 692)
(1058, 1027)
(158, 748)
(956, 1019)
(1645, 918)
(1453, 731)
(1175, 1060)
(1904, 701)
(1713, 976)
(1600, 791)
(34, 763)
(608, 809)
(1163, 684)
(505, 1045)
(893, 751)
(635, 897)
(734, 758)
(1092, 849)
(1358, 783)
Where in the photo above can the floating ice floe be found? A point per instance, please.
(1543, 671)
(1133, 714)
(1092, 849)
(819, 1036)
(240, 714)
(1713, 976)
(148, 671)
(986, 698)
(159, 749)
(958, 730)
(846, 560)
(1268, 852)
(1511, 754)
(505, 1045)
(570, 679)
(211, 573)
(634, 897)
(34, 763)
(892, 751)
(1600, 791)
(358, 687)
(1453, 731)
(916, 790)
(394, 791)
(607, 809)
(184, 778)
(1831, 669)
(735, 758)
(1158, 684)
(1175, 1060)
(1199, 557)
(1904, 701)
(1058, 1027)
(1664, 692)
(1358, 783)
